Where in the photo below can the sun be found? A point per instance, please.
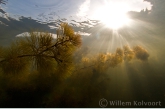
(114, 20)
(113, 15)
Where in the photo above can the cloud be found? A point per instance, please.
(138, 5)
(122, 5)
(84, 8)
(83, 33)
(24, 34)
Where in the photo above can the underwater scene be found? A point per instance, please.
(82, 53)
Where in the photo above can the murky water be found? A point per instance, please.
(136, 81)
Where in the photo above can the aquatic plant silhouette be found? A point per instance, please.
(49, 72)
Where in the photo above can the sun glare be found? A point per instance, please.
(113, 15)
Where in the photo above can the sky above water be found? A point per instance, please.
(69, 9)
